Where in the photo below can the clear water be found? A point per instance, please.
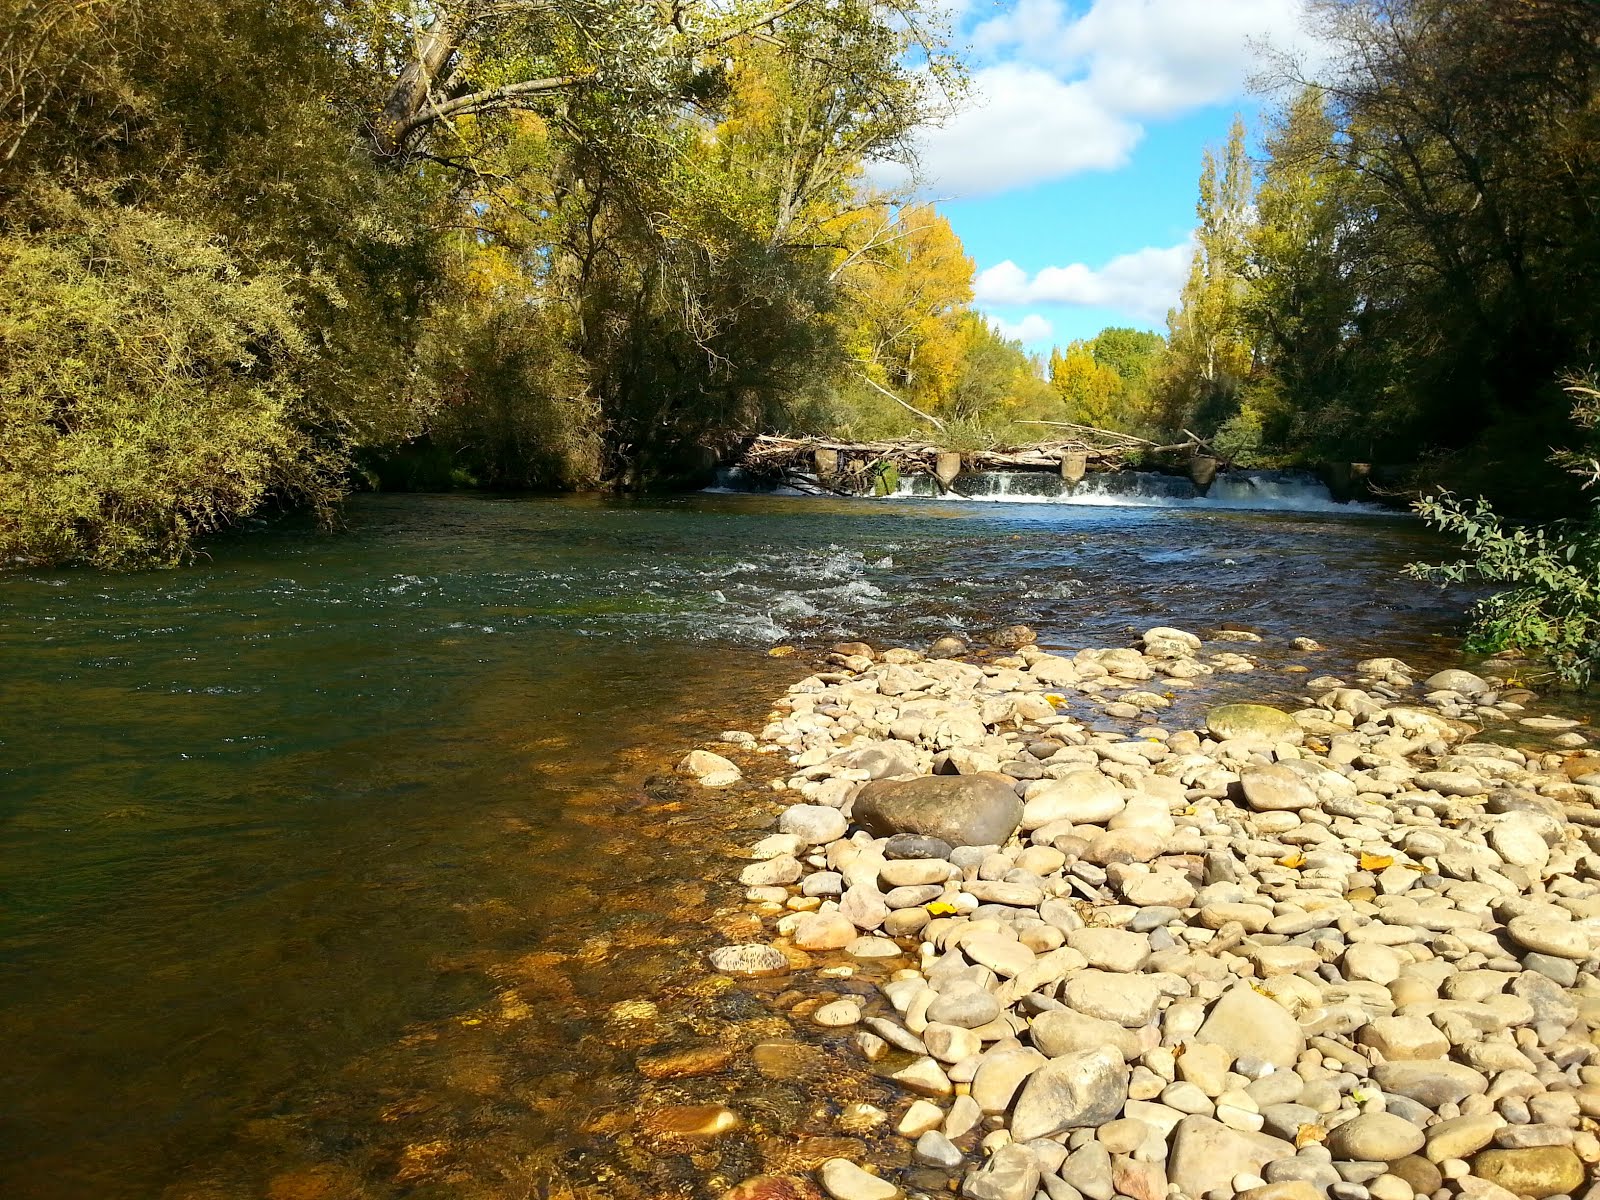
(323, 862)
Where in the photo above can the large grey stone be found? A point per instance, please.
(1431, 1083)
(1248, 1024)
(1206, 1155)
(963, 810)
(1375, 1137)
(1076, 1091)
(1083, 797)
(1010, 1174)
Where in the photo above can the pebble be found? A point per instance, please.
(1340, 952)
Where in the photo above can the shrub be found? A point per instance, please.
(1552, 610)
(146, 390)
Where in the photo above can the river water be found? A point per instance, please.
(351, 865)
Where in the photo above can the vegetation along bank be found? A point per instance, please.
(256, 255)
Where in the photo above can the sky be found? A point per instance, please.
(1070, 172)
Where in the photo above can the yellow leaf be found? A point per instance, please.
(1309, 1134)
(1376, 862)
(940, 908)
(781, 652)
(1055, 698)
(1296, 861)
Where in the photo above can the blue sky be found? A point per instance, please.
(1070, 172)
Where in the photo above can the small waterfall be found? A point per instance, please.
(1260, 491)
(1265, 491)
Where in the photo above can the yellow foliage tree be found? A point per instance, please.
(909, 283)
(1092, 392)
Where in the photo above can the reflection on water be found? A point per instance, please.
(327, 864)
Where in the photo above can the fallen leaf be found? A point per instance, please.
(940, 908)
(1295, 861)
(1376, 862)
(1309, 1134)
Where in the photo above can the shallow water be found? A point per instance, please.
(324, 862)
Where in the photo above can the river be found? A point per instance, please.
(327, 862)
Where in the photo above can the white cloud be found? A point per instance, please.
(1024, 125)
(1059, 92)
(1145, 283)
(1032, 328)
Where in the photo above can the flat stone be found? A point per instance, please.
(1083, 797)
(1276, 789)
(936, 1150)
(1254, 723)
(1066, 1031)
(814, 824)
(1246, 1023)
(1372, 963)
(1451, 783)
(913, 872)
(1460, 1137)
(708, 769)
(1010, 1174)
(1111, 949)
(843, 1180)
(686, 1064)
(1000, 1074)
(1126, 1000)
(1561, 939)
(1537, 1172)
(1375, 1137)
(911, 845)
(924, 1077)
(1399, 1038)
(750, 959)
(1076, 1091)
(774, 872)
(1453, 680)
(823, 931)
(961, 810)
(967, 1009)
(1206, 1155)
(691, 1121)
(1001, 955)
(1430, 1083)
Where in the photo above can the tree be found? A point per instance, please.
(1211, 355)
(907, 290)
(1093, 392)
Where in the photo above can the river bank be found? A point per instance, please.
(1346, 950)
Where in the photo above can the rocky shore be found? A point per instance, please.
(1345, 951)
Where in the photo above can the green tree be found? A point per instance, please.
(1211, 356)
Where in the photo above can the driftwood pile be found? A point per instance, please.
(864, 467)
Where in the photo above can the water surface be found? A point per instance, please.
(324, 862)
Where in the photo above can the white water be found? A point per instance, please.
(1259, 491)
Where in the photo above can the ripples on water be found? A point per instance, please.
(325, 861)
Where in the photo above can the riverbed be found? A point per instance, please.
(350, 864)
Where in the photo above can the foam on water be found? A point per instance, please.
(1256, 491)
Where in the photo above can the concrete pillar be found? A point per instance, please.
(1074, 465)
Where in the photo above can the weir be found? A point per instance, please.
(1075, 471)
(1259, 491)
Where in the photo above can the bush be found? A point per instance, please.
(1552, 611)
(146, 390)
